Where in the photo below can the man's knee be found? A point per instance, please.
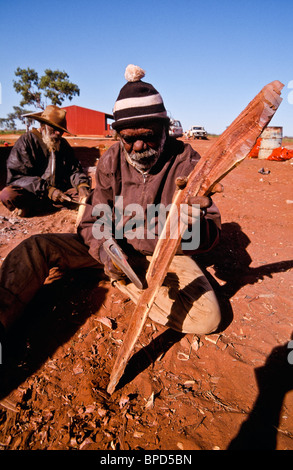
(38, 242)
(27, 253)
(32, 255)
(202, 317)
(213, 319)
(15, 197)
(8, 196)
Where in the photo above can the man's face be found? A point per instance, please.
(143, 145)
(51, 137)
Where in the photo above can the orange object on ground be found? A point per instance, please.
(281, 154)
(254, 151)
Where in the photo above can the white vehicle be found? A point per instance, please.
(197, 132)
(175, 128)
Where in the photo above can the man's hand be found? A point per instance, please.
(112, 271)
(189, 214)
(56, 195)
(83, 192)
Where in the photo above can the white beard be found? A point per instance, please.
(53, 145)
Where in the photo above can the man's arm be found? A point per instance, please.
(21, 166)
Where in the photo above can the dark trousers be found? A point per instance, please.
(14, 197)
(27, 266)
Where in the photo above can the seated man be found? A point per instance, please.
(143, 169)
(42, 168)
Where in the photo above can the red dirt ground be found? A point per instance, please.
(229, 390)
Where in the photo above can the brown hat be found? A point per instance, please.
(52, 116)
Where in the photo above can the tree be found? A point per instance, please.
(51, 88)
(57, 87)
(9, 121)
(28, 87)
(35, 90)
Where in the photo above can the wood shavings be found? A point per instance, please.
(196, 344)
(77, 370)
(9, 405)
(212, 338)
(107, 321)
(123, 401)
(150, 402)
(188, 383)
(138, 435)
(182, 356)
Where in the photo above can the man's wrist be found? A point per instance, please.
(51, 189)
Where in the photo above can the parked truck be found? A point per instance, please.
(175, 128)
(197, 132)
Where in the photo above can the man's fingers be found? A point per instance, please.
(217, 188)
(181, 182)
(189, 215)
(203, 201)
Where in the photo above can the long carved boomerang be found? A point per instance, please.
(228, 151)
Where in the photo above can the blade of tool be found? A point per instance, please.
(67, 198)
(52, 168)
(81, 210)
(119, 259)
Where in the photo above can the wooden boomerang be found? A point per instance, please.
(228, 151)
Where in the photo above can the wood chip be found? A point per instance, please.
(105, 321)
(77, 370)
(123, 401)
(182, 356)
(138, 435)
(9, 405)
(150, 402)
(189, 382)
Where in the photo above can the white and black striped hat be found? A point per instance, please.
(138, 102)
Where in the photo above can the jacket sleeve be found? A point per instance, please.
(21, 164)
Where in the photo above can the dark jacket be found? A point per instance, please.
(115, 177)
(28, 166)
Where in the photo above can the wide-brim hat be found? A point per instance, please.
(138, 102)
(52, 116)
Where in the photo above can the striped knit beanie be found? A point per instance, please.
(138, 102)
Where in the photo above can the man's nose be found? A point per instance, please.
(139, 145)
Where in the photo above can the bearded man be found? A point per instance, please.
(42, 170)
(140, 171)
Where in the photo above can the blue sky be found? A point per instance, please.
(207, 58)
